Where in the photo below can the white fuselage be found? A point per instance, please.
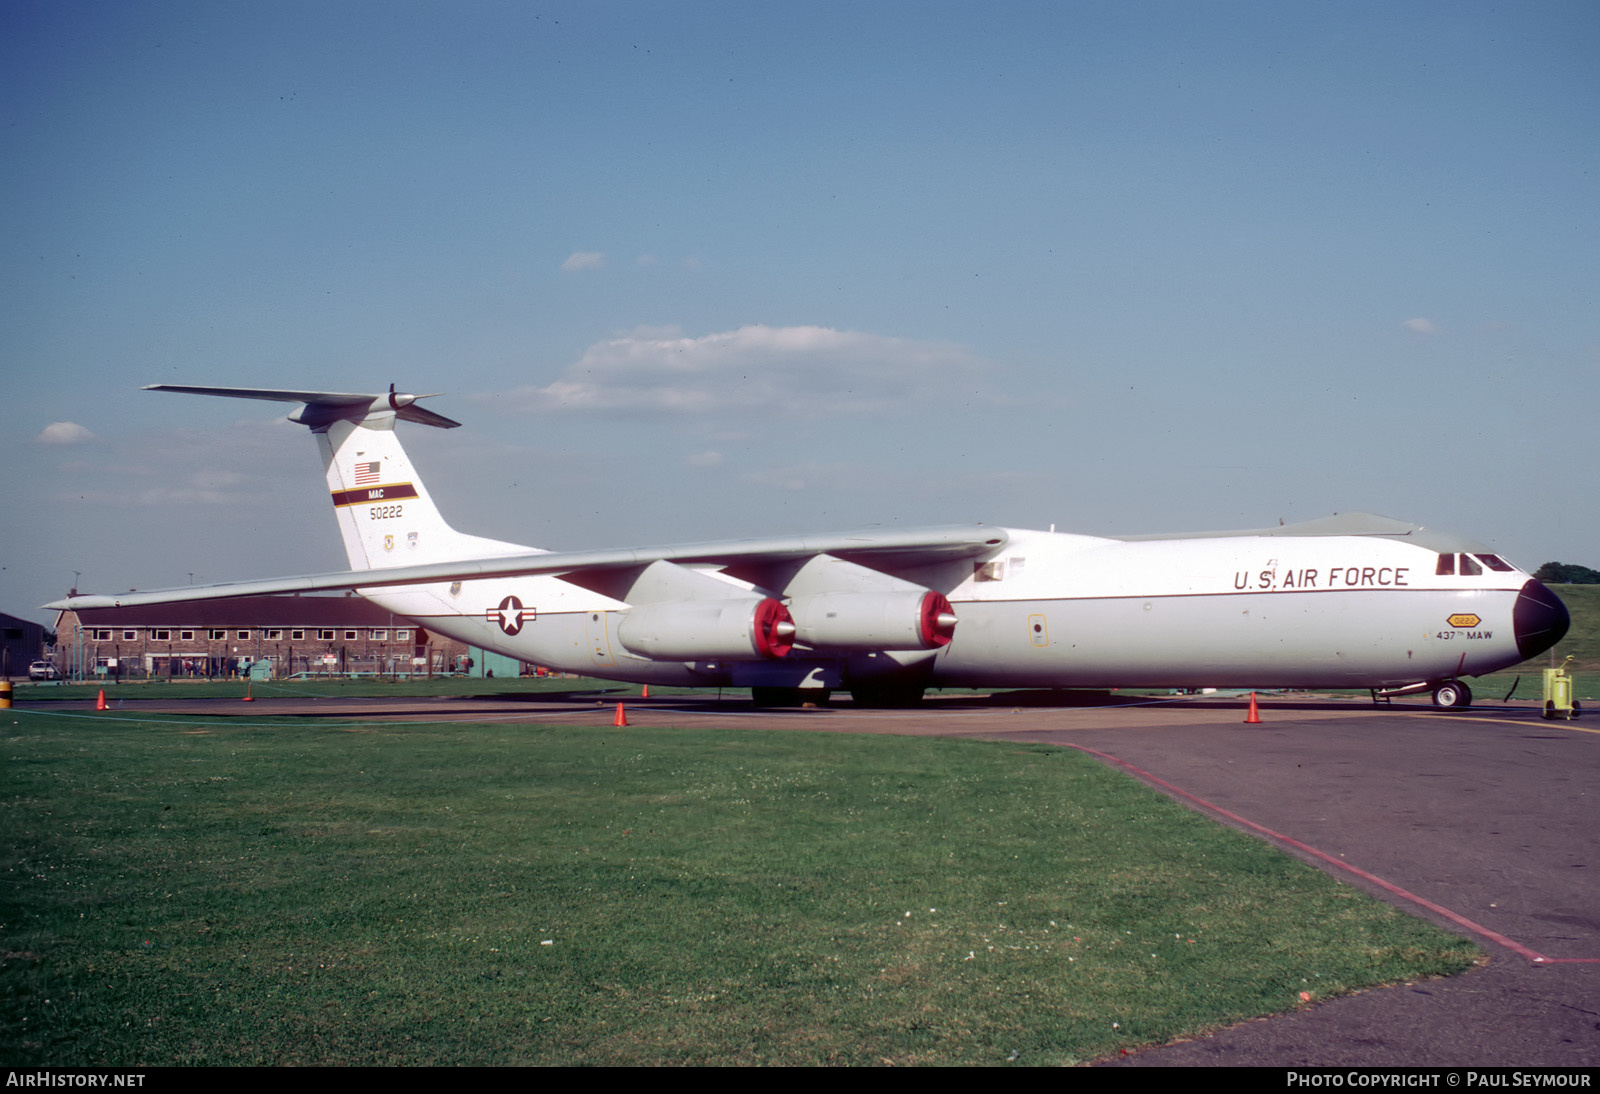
(1061, 610)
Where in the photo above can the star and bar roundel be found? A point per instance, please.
(510, 615)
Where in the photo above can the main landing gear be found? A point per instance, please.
(887, 696)
(789, 697)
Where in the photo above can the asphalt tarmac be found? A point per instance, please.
(1483, 821)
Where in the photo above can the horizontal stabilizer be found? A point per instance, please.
(404, 406)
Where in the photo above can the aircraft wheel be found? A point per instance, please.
(1451, 695)
(789, 697)
(887, 698)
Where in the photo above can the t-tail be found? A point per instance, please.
(386, 516)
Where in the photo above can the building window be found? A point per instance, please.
(402, 636)
(186, 636)
(216, 634)
(100, 635)
(378, 636)
(129, 636)
(351, 636)
(244, 634)
(159, 634)
(297, 636)
(325, 636)
(274, 636)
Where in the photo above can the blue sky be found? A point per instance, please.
(698, 270)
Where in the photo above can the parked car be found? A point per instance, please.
(43, 670)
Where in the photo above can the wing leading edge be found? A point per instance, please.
(870, 548)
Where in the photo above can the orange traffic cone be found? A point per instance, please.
(248, 698)
(100, 703)
(1254, 717)
(646, 693)
(622, 717)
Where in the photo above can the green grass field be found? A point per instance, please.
(199, 892)
(209, 892)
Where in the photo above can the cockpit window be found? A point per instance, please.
(1470, 567)
(1446, 566)
(1496, 563)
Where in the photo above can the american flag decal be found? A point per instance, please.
(368, 473)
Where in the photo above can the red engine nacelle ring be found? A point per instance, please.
(771, 637)
(936, 620)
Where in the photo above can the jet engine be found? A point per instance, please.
(909, 619)
(731, 629)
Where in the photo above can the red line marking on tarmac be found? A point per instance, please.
(1475, 928)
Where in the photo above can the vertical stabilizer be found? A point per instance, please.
(386, 516)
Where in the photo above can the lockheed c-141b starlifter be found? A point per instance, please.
(1353, 601)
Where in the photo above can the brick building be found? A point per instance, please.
(267, 635)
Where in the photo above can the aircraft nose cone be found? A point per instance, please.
(1539, 619)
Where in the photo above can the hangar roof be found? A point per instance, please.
(248, 611)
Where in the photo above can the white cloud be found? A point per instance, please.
(190, 488)
(703, 459)
(584, 260)
(189, 466)
(762, 369)
(64, 433)
(1420, 325)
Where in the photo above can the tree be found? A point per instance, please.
(1567, 573)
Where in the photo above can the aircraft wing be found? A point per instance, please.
(871, 548)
